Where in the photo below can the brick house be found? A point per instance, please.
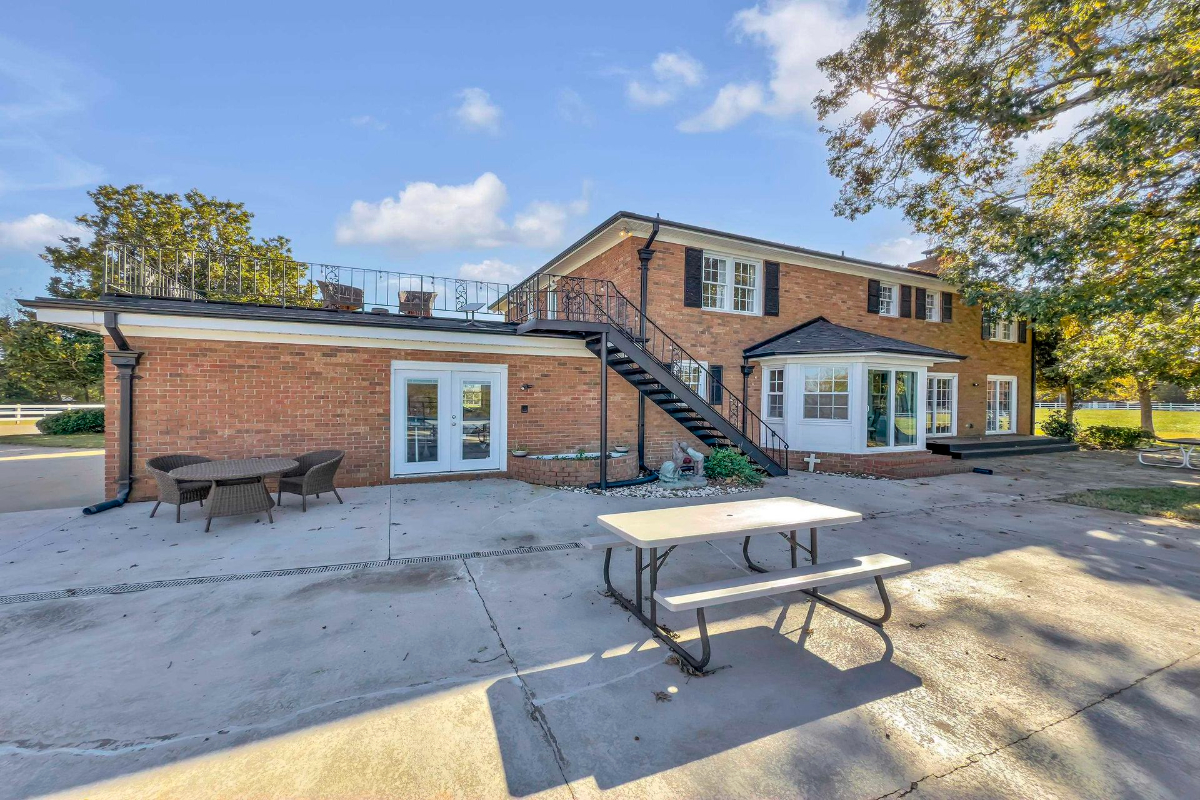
(710, 337)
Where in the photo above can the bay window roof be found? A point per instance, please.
(819, 335)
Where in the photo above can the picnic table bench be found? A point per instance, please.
(665, 529)
(1183, 448)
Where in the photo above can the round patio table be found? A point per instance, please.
(238, 485)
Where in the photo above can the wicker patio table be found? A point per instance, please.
(238, 485)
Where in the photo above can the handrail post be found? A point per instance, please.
(603, 410)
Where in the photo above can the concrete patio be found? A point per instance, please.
(1037, 649)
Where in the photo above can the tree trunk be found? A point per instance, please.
(1069, 401)
(1147, 402)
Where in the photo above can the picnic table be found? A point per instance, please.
(1186, 447)
(238, 484)
(662, 530)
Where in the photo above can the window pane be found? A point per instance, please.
(715, 278)
(421, 436)
(476, 420)
(879, 420)
(826, 393)
(906, 408)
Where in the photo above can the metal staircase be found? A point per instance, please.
(652, 362)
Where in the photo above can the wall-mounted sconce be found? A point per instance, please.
(525, 387)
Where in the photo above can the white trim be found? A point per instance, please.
(903, 359)
(174, 326)
(500, 436)
(1016, 405)
(953, 376)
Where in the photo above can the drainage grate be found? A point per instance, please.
(126, 588)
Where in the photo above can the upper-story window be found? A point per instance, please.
(730, 284)
(888, 300)
(933, 307)
(692, 374)
(1004, 330)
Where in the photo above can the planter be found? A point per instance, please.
(621, 449)
(567, 469)
(520, 453)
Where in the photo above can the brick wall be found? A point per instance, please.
(571, 471)
(242, 399)
(806, 292)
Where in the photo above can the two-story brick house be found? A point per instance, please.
(706, 336)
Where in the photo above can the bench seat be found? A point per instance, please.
(703, 595)
(603, 542)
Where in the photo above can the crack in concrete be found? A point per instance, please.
(536, 714)
(115, 747)
(975, 758)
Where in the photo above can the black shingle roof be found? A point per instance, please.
(819, 335)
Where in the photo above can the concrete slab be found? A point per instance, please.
(1037, 649)
(49, 477)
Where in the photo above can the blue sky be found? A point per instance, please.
(446, 138)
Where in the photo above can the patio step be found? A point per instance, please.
(999, 446)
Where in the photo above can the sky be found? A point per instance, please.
(453, 138)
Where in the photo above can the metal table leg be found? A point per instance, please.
(697, 665)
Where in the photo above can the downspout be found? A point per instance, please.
(125, 359)
(645, 253)
(747, 370)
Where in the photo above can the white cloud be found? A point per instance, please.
(678, 66)
(493, 269)
(36, 231)
(574, 109)
(368, 121)
(427, 216)
(648, 96)
(673, 72)
(902, 250)
(478, 112)
(795, 33)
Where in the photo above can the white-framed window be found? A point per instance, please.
(775, 393)
(889, 301)
(1004, 330)
(941, 404)
(693, 374)
(826, 393)
(933, 306)
(731, 283)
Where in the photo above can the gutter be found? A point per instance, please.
(125, 359)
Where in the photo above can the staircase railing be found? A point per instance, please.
(553, 297)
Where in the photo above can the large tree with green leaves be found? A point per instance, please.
(45, 363)
(1050, 149)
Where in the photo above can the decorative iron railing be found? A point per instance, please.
(230, 277)
(554, 297)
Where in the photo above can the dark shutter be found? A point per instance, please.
(919, 311)
(771, 289)
(693, 277)
(906, 301)
(872, 297)
(716, 374)
(985, 331)
(1022, 331)
(947, 307)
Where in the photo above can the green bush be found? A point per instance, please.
(1057, 424)
(77, 420)
(1112, 437)
(725, 463)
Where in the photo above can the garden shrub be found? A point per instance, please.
(76, 420)
(1112, 437)
(726, 463)
(1057, 425)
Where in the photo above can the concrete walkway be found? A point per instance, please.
(49, 477)
(1036, 649)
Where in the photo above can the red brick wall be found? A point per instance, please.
(571, 471)
(242, 399)
(806, 292)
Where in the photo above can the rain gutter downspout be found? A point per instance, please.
(645, 253)
(125, 359)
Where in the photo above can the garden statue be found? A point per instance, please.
(669, 473)
(688, 459)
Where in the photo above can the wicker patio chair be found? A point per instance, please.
(340, 296)
(178, 493)
(313, 476)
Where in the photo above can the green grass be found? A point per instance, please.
(1168, 424)
(1173, 502)
(85, 440)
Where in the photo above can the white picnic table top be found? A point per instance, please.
(664, 527)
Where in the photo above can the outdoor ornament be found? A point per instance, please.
(669, 473)
(812, 461)
(686, 457)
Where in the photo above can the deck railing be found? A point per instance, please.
(200, 275)
(554, 297)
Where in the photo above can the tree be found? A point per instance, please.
(948, 99)
(180, 228)
(44, 363)
(1054, 372)
(1147, 349)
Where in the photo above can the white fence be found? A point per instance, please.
(1121, 406)
(32, 413)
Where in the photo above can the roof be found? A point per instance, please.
(683, 226)
(224, 310)
(819, 335)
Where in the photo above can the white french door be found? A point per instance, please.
(1001, 404)
(941, 404)
(446, 419)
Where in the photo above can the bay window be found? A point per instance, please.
(827, 393)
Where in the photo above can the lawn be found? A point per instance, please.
(1174, 502)
(85, 440)
(1169, 424)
